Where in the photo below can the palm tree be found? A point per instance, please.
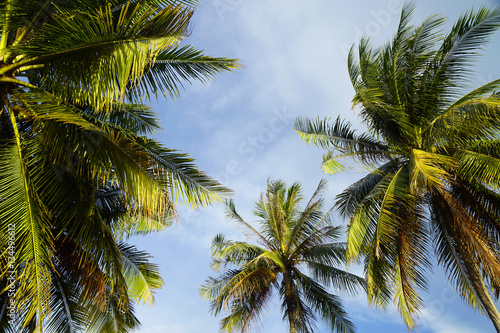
(433, 152)
(78, 172)
(292, 243)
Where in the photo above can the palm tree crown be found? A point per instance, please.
(290, 243)
(78, 172)
(434, 152)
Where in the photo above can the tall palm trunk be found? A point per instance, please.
(479, 287)
(290, 308)
(292, 324)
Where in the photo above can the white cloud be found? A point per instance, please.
(445, 323)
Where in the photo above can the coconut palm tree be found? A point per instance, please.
(433, 152)
(295, 256)
(74, 77)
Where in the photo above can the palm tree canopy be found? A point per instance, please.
(433, 150)
(78, 172)
(295, 254)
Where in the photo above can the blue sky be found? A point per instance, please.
(240, 130)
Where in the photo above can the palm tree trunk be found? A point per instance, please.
(292, 324)
(287, 280)
(479, 287)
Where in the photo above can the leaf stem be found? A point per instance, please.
(5, 29)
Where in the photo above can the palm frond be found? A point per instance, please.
(328, 305)
(143, 278)
(428, 170)
(341, 136)
(479, 167)
(470, 32)
(308, 217)
(448, 254)
(363, 222)
(175, 65)
(124, 51)
(351, 198)
(24, 212)
(176, 172)
(340, 280)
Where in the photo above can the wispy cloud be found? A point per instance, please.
(446, 323)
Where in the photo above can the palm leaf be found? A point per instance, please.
(329, 306)
(142, 277)
(24, 210)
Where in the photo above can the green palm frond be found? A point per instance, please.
(339, 135)
(116, 318)
(429, 170)
(486, 147)
(119, 52)
(328, 305)
(245, 314)
(137, 119)
(24, 213)
(396, 199)
(232, 215)
(67, 317)
(482, 203)
(471, 31)
(154, 166)
(479, 167)
(399, 239)
(233, 253)
(340, 280)
(448, 254)
(309, 220)
(316, 236)
(379, 278)
(178, 64)
(363, 221)
(411, 265)
(473, 120)
(142, 277)
(176, 172)
(349, 200)
(135, 54)
(332, 254)
(140, 224)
